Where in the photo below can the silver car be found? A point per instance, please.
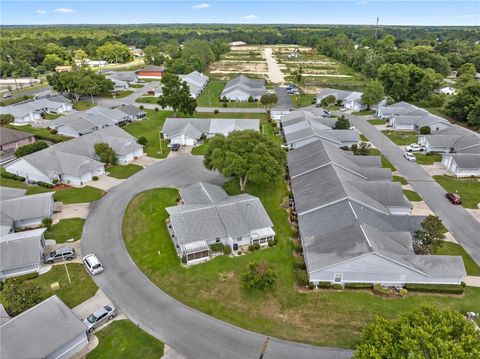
(100, 316)
(61, 254)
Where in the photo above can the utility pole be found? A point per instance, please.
(376, 28)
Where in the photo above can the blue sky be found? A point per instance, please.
(260, 12)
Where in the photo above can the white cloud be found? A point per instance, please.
(63, 10)
(41, 12)
(250, 17)
(202, 6)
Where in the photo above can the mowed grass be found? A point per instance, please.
(245, 115)
(412, 195)
(41, 133)
(376, 122)
(79, 290)
(454, 249)
(401, 138)
(200, 150)
(428, 158)
(118, 94)
(123, 171)
(385, 163)
(78, 195)
(122, 339)
(210, 97)
(303, 100)
(364, 113)
(83, 105)
(65, 229)
(150, 128)
(468, 189)
(12, 100)
(400, 179)
(31, 189)
(328, 318)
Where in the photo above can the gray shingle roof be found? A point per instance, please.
(467, 160)
(25, 336)
(201, 219)
(20, 249)
(195, 127)
(25, 207)
(131, 110)
(196, 82)
(458, 138)
(253, 87)
(9, 193)
(8, 135)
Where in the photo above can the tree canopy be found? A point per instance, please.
(115, 52)
(176, 94)
(249, 155)
(105, 153)
(464, 106)
(373, 93)
(342, 123)
(430, 236)
(427, 332)
(268, 100)
(79, 83)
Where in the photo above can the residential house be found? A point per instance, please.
(189, 131)
(26, 336)
(122, 79)
(462, 164)
(351, 100)
(81, 123)
(74, 162)
(237, 43)
(415, 123)
(208, 215)
(10, 140)
(21, 253)
(196, 82)
(354, 223)
(151, 72)
(302, 127)
(31, 110)
(241, 88)
(8, 193)
(20, 211)
(447, 90)
(399, 109)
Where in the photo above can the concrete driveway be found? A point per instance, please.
(459, 222)
(188, 331)
(105, 183)
(284, 99)
(75, 210)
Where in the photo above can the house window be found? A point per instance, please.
(338, 277)
(217, 240)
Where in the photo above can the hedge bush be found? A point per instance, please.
(299, 262)
(227, 250)
(217, 247)
(436, 288)
(301, 277)
(23, 278)
(324, 285)
(44, 184)
(359, 285)
(337, 286)
(12, 176)
(257, 246)
(311, 286)
(377, 288)
(251, 247)
(30, 148)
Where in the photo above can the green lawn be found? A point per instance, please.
(401, 138)
(150, 128)
(327, 318)
(148, 99)
(118, 94)
(11, 101)
(468, 189)
(78, 195)
(364, 113)
(210, 97)
(79, 290)
(400, 179)
(66, 229)
(363, 138)
(453, 249)
(40, 133)
(122, 339)
(412, 195)
(259, 115)
(200, 150)
(303, 100)
(136, 86)
(83, 105)
(376, 122)
(385, 163)
(125, 171)
(31, 189)
(428, 159)
(51, 116)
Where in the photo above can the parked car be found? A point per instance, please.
(414, 147)
(343, 109)
(67, 253)
(175, 147)
(292, 91)
(7, 95)
(99, 317)
(271, 92)
(454, 198)
(92, 263)
(410, 156)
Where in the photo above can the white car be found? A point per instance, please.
(414, 147)
(410, 156)
(7, 95)
(92, 263)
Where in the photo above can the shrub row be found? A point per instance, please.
(436, 288)
(44, 184)
(253, 247)
(12, 176)
(359, 285)
(217, 247)
(48, 138)
(377, 288)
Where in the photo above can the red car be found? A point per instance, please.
(454, 198)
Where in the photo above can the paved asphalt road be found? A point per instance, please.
(459, 222)
(284, 99)
(189, 332)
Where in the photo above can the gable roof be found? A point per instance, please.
(466, 160)
(195, 127)
(341, 95)
(458, 138)
(131, 110)
(24, 336)
(196, 82)
(211, 214)
(20, 249)
(252, 87)
(9, 193)
(25, 207)
(8, 135)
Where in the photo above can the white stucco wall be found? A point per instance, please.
(22, 168)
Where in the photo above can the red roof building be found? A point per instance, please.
(151, 71)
